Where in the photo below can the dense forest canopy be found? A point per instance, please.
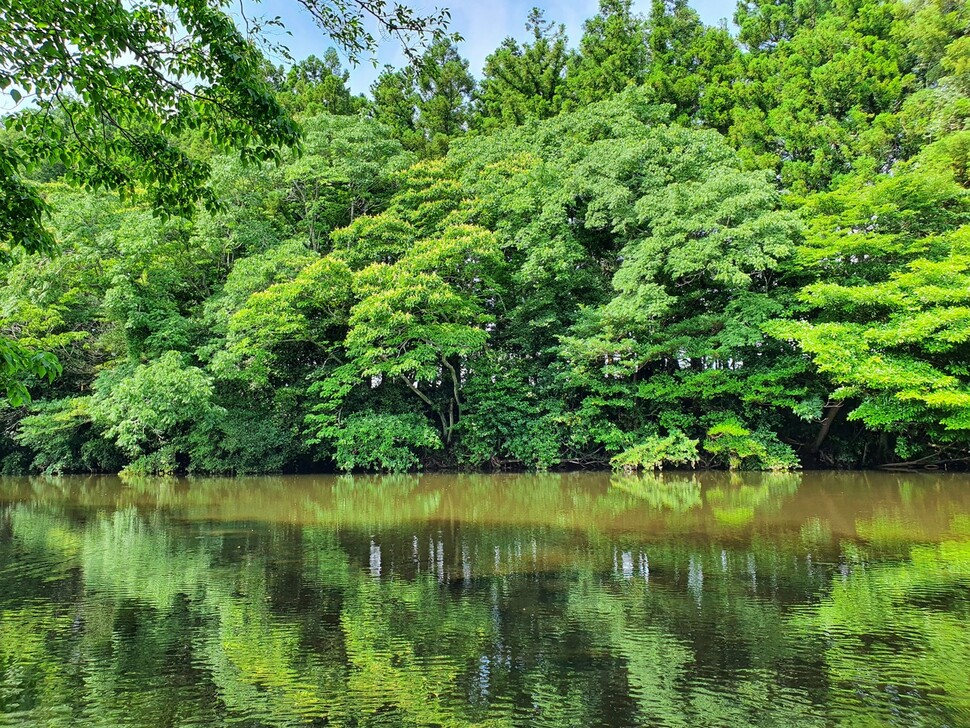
(665, 245)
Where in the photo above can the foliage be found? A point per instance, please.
(654, 451)
(16, 361)
(113, 124)
(730, 441)
(63, 438)
(319, 85)
(511, 416)
(613, 53)
(108, 92)
(888, 329)
(428, 104)
(244, 435)
(285, 319)
(383, 442)
(148, 413)
(528, 80)
(665, 247)
(692, 66)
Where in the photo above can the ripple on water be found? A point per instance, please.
(495, 602)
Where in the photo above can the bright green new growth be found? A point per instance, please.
(655, 452)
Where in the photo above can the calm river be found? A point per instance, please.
(521, 600)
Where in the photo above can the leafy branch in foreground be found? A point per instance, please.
(109, 90)
(16, 361)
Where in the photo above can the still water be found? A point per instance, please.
(546, 600)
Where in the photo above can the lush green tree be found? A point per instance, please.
(192, 68)
(885, 319)
(612, 54)
(149, 412)
(660, 347)
(445, 88)
(289, 324)
(428, 104)
(415, 323)
(764, 25)
(314, 86)
(395, 104)
(108, 91)
(345, 173)
(826, 86)
(692, 66)
(526, 80)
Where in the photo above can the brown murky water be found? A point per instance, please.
(549, 600)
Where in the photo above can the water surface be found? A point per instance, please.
(546, 600)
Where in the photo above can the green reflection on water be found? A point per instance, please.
(560, 600)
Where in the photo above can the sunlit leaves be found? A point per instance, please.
(406, 321)
(890, 324)
(149, 412)
(383, 442)
(302, 318)
(613, 53)
(526, 81)
(16, 361)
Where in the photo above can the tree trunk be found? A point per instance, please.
(833, 411)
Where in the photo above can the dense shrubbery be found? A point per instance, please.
(676, 249)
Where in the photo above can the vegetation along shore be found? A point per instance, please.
(668, 245)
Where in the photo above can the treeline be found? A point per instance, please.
(670, 246)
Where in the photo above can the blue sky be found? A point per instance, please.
(482, 23)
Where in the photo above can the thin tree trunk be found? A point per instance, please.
(455, 383)
(445, 429)
(833, 411)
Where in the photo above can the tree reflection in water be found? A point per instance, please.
(561, 600)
